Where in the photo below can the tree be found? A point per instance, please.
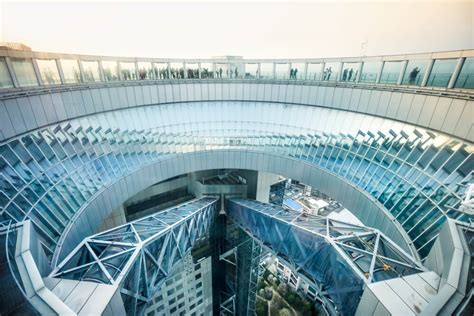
(261, 307)
(284, 312)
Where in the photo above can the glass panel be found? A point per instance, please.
(369, 71)
(110, 70)
(251, 71)
(71, 71)
(331, 71)
(222, 71)
(350, 71)
(207, 70)
(176, 70)
(145, 72)
(24, 71)
(281, 71)
(298, 70)
(236, 70)
(91, 71)
(441, 72)
(49, 71)
(390, 72)
(266, 70)
(466, 76)
(127, 71)
(160, 70)
(414, 72)
(313, 72)
(5, 79)
(192, 71)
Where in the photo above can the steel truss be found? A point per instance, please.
(339, 257)
(139, 255)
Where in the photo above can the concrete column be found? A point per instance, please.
(60, 71)
(427, 73)
(456, 72)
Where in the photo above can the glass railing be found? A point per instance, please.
(446, 70)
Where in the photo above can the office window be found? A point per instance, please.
(128, 71)
(390, 72)
(110, 70)
(5, 79)
(415, 72)
(179, 287)
(49, 71)
(441, 72)
(91, 71)
(370, 71)
(198, 276)
(173, 310)
(71, 70)
(180, 296)
(197, 266)
(466, 76)
(199, 285)
(172, 301)
(24, 71)
(170, 292)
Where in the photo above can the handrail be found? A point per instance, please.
(42, 69)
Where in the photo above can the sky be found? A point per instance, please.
(251, 29)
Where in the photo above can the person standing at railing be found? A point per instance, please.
(294, 73)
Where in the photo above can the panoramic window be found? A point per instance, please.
(91, 71)
(414, 72)
(222, 70)
(350, 71)
(160, 70)
(5, 79)
(24, 71)
(207, 70)
(369, 71)
(145, 71)
(266, 70)
(281, 71)
(466, 76)
(297, 71)
(71, 70)
(390, 72)
(192, 70)
(176, 70)
(314, 71)
(128, 71)
(251, 71)
(331, 71)
(441, 72)
(109, 69)
(49, 71)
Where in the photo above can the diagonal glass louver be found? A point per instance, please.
(138, 256)
(339, 257)
(419, 176)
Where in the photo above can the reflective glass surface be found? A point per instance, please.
(350, 71)
(71, 71)
(314, 72)
(441, 72)
(5, 79)
(298, 71)
(415, 71)
(222, 71)
(281, 71)
(110, 70)
(192, 70)
(177, 70)
(331, 71)
(91, 71)
(49, 71)
(466, 76)
(128, 71)
(370, 71)
(207, 70)
(251, 71)
(161, 71)
(24, 71)
(390, 72)
(145, 71)
(266, 70)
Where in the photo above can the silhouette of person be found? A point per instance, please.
(291, 73)
(236, 73)
(220, 72)
(344, 75)
(413, 75)
(294, 73)
(329, 73)
(350, 74)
